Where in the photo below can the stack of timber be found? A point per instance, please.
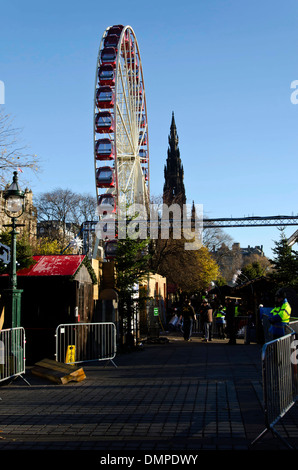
(58, 372)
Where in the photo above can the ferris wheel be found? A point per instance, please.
(121, 151)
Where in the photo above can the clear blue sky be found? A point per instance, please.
(224, 67)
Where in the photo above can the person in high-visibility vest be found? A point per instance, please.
(280, 315)
(220, 314)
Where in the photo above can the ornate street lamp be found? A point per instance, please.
(14, 208)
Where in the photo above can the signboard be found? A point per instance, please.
(156, 311)
(70, 354)
(4, 253)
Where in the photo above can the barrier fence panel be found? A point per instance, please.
(279, 369)
(12, 353)
(83, 342)
(294, 326)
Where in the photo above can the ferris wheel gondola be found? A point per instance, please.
(121, 150)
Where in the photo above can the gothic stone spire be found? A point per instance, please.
(174, 191)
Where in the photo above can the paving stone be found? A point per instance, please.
(172, 396)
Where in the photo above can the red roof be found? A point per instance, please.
(53, 265)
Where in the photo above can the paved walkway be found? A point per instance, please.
(170, 397)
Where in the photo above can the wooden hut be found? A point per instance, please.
(57, 289)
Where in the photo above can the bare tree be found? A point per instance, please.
(85, 209)
(61, 210)
(13, 155)
(215, 237)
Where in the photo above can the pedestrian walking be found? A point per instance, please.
(206, 312)
(188, 319)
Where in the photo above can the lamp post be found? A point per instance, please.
(14, 208)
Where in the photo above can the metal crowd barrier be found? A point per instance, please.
(12, 353)
(280, 380)
(294, 326)
(84, 342)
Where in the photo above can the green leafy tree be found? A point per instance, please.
(189, 270)
(253, 270)
(48, 246)
(285, 263)
(132, 267)
(24, 251)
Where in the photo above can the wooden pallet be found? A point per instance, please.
(58, 372)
